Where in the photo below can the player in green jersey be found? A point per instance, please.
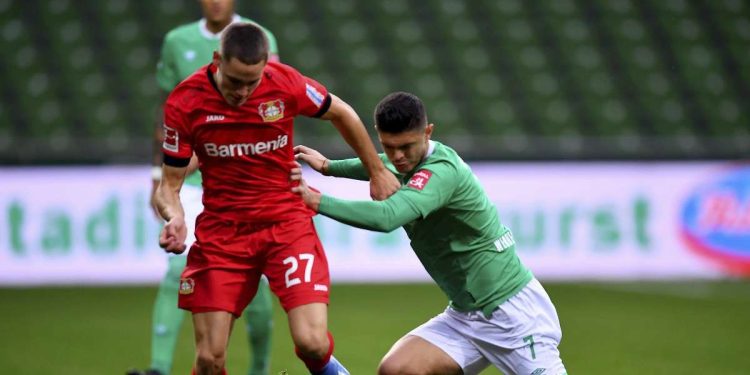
(186, 49)
(498, 313)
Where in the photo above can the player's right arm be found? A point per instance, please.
(166, 78)
(167, 199)
(177, 153)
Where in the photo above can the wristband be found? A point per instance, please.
(156, 173)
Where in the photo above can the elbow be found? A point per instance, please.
(385, 226)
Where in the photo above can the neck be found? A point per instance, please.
(216, 26)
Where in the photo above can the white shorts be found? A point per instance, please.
(191, 198)
(521, 336)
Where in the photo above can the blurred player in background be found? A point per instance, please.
(237, 116)
(185, 49)
(498, 313)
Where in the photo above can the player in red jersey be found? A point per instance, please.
(237, 116)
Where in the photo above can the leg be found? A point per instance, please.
(212, 331)
(259, 321)
(313, 343)
(297, 271)
(167, 318)
(308, 325)
(400, 360)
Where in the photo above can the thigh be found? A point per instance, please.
(432, 359)
(308, 322)
(212, 330)
(296, 265)
(447, 347)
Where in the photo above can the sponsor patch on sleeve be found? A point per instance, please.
(314, 95)
(420, 179)
(171, 139)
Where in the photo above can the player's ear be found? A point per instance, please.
(428, 131)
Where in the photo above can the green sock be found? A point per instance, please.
(167, 317)
(259, 321)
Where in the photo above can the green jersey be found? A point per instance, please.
(453, 227)
(186, 49)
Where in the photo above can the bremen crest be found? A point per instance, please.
(271, 111)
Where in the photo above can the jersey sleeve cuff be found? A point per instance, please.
(175, 161)
(324, 107)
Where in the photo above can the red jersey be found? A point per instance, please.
(245, 153)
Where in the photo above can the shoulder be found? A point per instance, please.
(189, 92)
(282, 75)
(444, 156)
(181, 32)
(445, 163)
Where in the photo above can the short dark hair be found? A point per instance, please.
(245, 42)
(400, 112)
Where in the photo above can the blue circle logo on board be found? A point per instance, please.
(716, 220)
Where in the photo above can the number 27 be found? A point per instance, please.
(293, 265)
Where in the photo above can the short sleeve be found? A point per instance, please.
(177, 145)
(312, 98)
(166, 69)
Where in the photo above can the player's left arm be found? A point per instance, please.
(346, 168)
(428, 191)
(382, 182)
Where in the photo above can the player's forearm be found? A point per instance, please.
(380, 216)
(347, 168)
(353, 131)
(167, 197)
(168, 203)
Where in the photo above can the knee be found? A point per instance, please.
(312, 344)
(210, 360)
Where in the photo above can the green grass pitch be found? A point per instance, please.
(608, 328)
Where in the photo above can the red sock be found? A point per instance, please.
(315, 364)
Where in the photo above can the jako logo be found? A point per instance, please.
(240, 149)
(716, 220)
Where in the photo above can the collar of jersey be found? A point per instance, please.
(210, 70)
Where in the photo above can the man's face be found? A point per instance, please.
(406, 150)
(237, 80)
(217, 10)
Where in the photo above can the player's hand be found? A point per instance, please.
(383, 185)
(312, 157)
(295, 174)
(172, 236)
(309, 196)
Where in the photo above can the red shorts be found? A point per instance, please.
(225, 263)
